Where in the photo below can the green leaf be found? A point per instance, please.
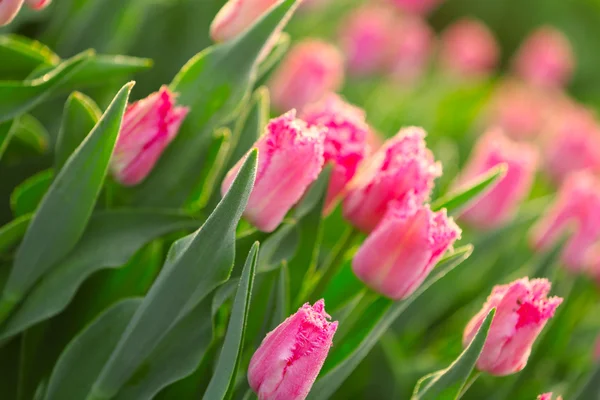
(279, 246)
(272, 60)
(374, 322)
(13, 232)
(18, 97)
(82, 359)
(223, 379)
(66, 208)
(7, 130)
(21, 55)
(182, 284)
(27, 196)
(214, 84)
(448, 383)
(591, 388)
(31, 134)
(80, 116)
(110, 240)
(455, 202)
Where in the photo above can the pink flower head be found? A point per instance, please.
(290, 157)
(546, 58)
(522, 309)
(576, 210)
(345, 140)
(290, 357)
(149, 125)
(10, 8)
(469, 49)
(499, 204)
(547, 396)
(311, 69)
(411, 49)
(366, 36)
(236, 16)
(417, 6)
(404, 247)
(572, 143)
(402, 165)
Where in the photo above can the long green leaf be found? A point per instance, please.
(13, 232)
(31, 134)
(7, 131)
(66, 208)
(223, 379)
(196, 265)
(21, 55)
(591, 388)
(27, 196)
(375, 322)
(214, 84)
(449, 382)
(110, 240)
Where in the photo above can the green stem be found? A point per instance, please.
(469, 383)
(333, 263)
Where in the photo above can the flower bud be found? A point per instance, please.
(290, 157)
(402, 165)
(398, 255)
(311, 69)
(290, 357)
(500, 203)
(366, 36)
(576, 210)
(522, 309)
(236, 16)
(545, 58)
(547, 396)
(345, 140)
(10, 8)
(37, 4)
(412, 48)
(148, 126)
(469, 49)
(417, 6)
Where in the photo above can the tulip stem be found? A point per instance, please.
(333, 263)
(469, 383)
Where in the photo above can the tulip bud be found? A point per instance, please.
(547, 396)
(148, 126)
(10, 8)
(500, 203)
(572, 143)
(366, 36)
(290, 157)
(402, 165)
(290, 357)
(417, 6)
(412, 47)
(546, 58)
(37, 4)
(345, 140)
(236, 16)
(311, 69)
(522, 309)
(469, 49)
(577, 210)
(398, 255)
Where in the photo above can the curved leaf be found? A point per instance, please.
(21, 55)
(27, 196)
(13, 232)
(32, 134)
(272, 60)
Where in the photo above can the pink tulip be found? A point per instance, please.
(398, 255)
(547, 396)
(37, 4)
(417, 6)
(499, 204)
(290, 357)
(411, 49)
(546, 58)
(402, 165)
(149, 125)
(10, 8)
(576, 210)
(236, 16)
(469, 49)
(290, 157)
(522, 309)
(572, 142)
(366, 36)
(311, 69)
(345, 140)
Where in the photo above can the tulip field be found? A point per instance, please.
(299, 199)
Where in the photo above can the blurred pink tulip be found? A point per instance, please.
(500, 203)
(290, 157)
(572, 142)
(545, 58)
(290, 357)
(366, 36)
(10, 8)
(412, 48)
(149, 125)
(402, 165)
(469, 49)
(311, 69)
(417, 6)
(236, 16)
(398, 255)
(547, 396)
(345, 140)
(522, 309)
(576, 210)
